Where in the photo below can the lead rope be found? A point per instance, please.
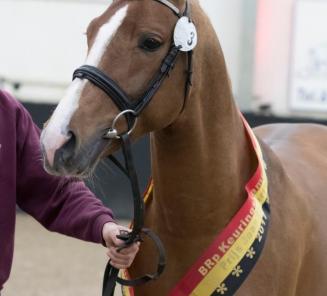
(111, 273)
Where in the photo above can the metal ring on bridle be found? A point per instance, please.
(113, 133)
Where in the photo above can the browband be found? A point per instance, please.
(171, 6)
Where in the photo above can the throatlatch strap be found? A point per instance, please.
(189, 73)
(166, 66)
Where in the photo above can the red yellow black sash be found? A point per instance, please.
(227, 262)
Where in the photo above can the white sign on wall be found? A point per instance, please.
(308, 75)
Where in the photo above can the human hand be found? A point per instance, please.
(124, 258)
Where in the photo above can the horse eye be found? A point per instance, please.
(150, 44)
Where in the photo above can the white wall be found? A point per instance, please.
(227, 17)
(274, 56)
(308, 70)
(274, 26)
(42, 41)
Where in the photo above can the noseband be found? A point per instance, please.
(131, 110)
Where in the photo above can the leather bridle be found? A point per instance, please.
(117, 94)
(131, 110)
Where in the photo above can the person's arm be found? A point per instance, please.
(60, 204)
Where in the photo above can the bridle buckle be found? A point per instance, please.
(112, 133)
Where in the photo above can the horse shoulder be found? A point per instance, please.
(296, 244)
(299, 152)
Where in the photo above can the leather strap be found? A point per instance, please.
(170, 6)
(116, 162)
(160, 267)
(111, 273)
(189, 73)
(114, 91)
(109, 86)
(138, 221)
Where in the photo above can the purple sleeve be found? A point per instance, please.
(60, 204)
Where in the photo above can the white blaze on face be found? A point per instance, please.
(56, 132)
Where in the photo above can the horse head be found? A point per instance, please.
(127, 43)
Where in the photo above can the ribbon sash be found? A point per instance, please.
(227, 262)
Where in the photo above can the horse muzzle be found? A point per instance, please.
(70, 158)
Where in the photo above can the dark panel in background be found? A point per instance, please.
(111, 186)
(257, 119)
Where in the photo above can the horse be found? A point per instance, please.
(201, 155)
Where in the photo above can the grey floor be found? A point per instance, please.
(48, 264)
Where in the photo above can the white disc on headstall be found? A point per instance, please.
(185, 35)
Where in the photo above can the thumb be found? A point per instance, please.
(121, 236)
(110, 233)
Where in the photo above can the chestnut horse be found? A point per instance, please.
(201, 156)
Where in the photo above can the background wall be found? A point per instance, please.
(288, 32)
(42, 41)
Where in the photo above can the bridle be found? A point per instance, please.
(131, 110)
(117, 94)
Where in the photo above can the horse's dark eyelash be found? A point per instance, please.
(146, 49)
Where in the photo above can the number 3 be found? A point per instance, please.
(192, 36)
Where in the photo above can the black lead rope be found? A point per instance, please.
(138, 200)
(111, 273)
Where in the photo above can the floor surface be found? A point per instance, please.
(48, 264)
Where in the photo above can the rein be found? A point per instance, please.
(131, 110)
(111, 273)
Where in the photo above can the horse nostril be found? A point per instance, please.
(64, 155)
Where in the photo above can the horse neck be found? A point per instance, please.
(202, 162)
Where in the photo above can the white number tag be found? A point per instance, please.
(185, 35)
